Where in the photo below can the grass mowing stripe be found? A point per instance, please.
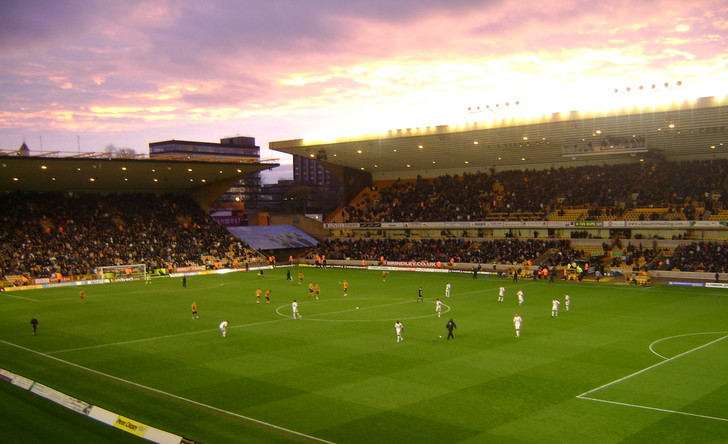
(170, 395)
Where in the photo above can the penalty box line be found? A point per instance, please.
(653, 408)
(172, 396)
(588, 398)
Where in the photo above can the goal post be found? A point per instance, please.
(124, 272)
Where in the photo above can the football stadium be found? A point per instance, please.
(582, 257)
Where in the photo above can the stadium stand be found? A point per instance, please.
(45, 234)
(658, 190)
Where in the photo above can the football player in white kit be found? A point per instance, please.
(517, 321)
(223, 328)
(555, 307)
(399, 328)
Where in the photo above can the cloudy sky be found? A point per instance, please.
(80, 75)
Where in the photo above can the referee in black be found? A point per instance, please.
(450, 327)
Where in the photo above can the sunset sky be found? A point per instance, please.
(80, 75)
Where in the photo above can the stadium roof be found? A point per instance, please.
(680, 131)
(94, 172)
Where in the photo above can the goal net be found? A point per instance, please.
(126, 272)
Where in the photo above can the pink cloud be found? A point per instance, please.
(174, 61)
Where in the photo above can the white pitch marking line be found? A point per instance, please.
(316, 317)
(106, 375)
(147, 290)
(583, 395)
(651, 367)
(6, 293)
(155, 338)
(680, 336)
(655, 408)
(347, 310)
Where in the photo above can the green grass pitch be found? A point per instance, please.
(625, 364)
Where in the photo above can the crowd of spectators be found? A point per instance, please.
(638, 257)
(42, 234)
(701, 256)
(607, 190)
(510, 251)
